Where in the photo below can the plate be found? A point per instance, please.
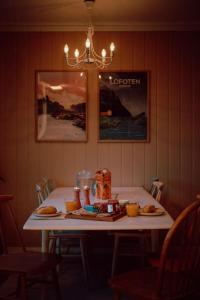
(158, 212)
(47, 215)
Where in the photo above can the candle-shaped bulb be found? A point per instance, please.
(66, 49)
(87, 43)
(76, 53)
(103, 53)
(112, 47)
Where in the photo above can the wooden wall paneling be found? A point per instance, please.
(104, 156)
(9, 97)
(126, 62)
(186, 118)
(3, 64)
(33, 147)
(33, 165)
(139, 148)
(174, 120)
(151, 147)
(163, 107)
(195, 115)
(21, 112)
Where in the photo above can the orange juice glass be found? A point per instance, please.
(132, 209)
(70, 205)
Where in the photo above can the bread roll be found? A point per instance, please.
(47, 210)
(149, 209)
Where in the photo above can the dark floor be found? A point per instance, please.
(71, 277)
(72, 281)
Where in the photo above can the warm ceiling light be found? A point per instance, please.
(89, 55)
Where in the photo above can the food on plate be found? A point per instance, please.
(149, 209)
(47, 210)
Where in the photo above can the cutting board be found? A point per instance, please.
(110, 218)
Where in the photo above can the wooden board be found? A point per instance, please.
(110, 218)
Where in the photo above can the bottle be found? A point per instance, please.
(77, 196)
(87, 195)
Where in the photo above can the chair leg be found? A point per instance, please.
(56, 283)
(23, 287)
(115, 252)
(84, 259)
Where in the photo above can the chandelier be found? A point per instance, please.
(89, 55)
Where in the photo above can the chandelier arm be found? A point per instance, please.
(95, 54)
(84, 52)
(75, 64)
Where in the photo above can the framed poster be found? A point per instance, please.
(61, 106)
(123, 106)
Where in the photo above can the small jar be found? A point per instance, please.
(115, 204)
(109, 208)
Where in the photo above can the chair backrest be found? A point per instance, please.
(179, 271)
(156, 190)
(6, 210)
(41, 192)
(49, 185)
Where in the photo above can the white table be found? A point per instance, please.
(133, 194)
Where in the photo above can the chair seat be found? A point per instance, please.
(143, 283)
(29, 263)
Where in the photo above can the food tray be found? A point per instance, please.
(98, 217)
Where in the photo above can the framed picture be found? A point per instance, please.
(61, 106)
(123, 106)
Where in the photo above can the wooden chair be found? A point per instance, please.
(177, 276)
(142, 238)
(41, 192)
(65, 240)
(71, 245)
(156, 190)
(29, 266)
(49, 185)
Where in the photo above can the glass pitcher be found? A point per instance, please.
(85, 178)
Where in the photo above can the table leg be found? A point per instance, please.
(44, 248)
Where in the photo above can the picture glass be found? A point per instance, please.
(61, 106)
(123, 106)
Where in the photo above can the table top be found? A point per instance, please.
(133, 194)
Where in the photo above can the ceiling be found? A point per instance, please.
(119, 15)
